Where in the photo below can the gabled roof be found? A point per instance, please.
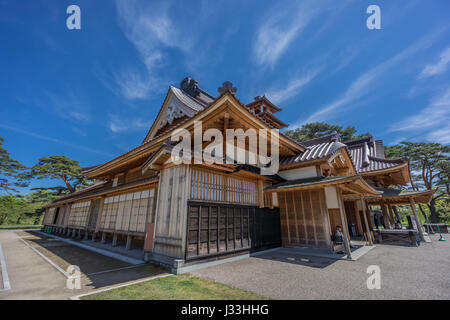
(186, 103)
(199, 110)
(264, 100)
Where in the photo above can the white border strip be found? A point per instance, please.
(6, 283)
(112, 270)
(120, 286)
(46, 259)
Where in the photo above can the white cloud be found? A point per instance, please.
(435, 117)
(292, 88)
(440, 136)
(364, 83)
(71, 107)
(439, 67)
(276, 33)
(120, 124)
(149, 28)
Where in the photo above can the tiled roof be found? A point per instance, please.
(390, 192)
(368, 155)
(316, 149)
(83, 194)
(189, 101)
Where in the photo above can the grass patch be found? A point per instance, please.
(176, 287)
(20, 226)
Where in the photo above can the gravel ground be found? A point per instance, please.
(406, 273)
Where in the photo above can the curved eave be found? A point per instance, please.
(97, 193)
(404, 168)
(422, 197)
(353, 184)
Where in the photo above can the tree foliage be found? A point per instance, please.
(60, 167)
(10, 171)
(24, 209)
(429, 170)
(319, 129)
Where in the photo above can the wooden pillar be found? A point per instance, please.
(129, 239)
(344, 225)
(368, 234)
(261, 193)
(100, 213)
(394, 208)
(419, 225)
(114, 240)
(358, 218)
(369, 218)
(391, 213)
(385, 215)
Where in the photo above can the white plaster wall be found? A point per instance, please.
(331, 197)
(299, 173)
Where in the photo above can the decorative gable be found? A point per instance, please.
(178, 104)
(175, 109)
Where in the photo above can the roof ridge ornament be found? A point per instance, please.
(190, 86)
(366, 161)
(227, 86)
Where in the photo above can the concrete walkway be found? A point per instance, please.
(35, 276)
(406, 273)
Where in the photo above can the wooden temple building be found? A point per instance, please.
(178, 214)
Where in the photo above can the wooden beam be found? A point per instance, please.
(358, 217)
(385, 215)
(368, 234)
(344, 225)
(261, 193)
(312, 217)
(295, 218)
(391, 214)
(419, 225)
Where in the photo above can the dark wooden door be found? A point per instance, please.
(215, 229)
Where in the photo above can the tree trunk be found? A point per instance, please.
(434, 216)
(423, 212)
(394, 208)
(68, 185)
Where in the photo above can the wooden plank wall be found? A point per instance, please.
(215, 229)
(79, 214)
(92, 221)
(335, 219)
(61, 215)
(49, 216)
(354, 216)
(213, 186)
(304, 218)
(171, 211)
(127, 212)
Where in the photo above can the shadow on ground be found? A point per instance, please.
(98, 271)
(298, 259)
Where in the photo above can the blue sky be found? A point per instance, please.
(92, 94)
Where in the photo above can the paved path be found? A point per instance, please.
(406, 273)
(32, 277)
